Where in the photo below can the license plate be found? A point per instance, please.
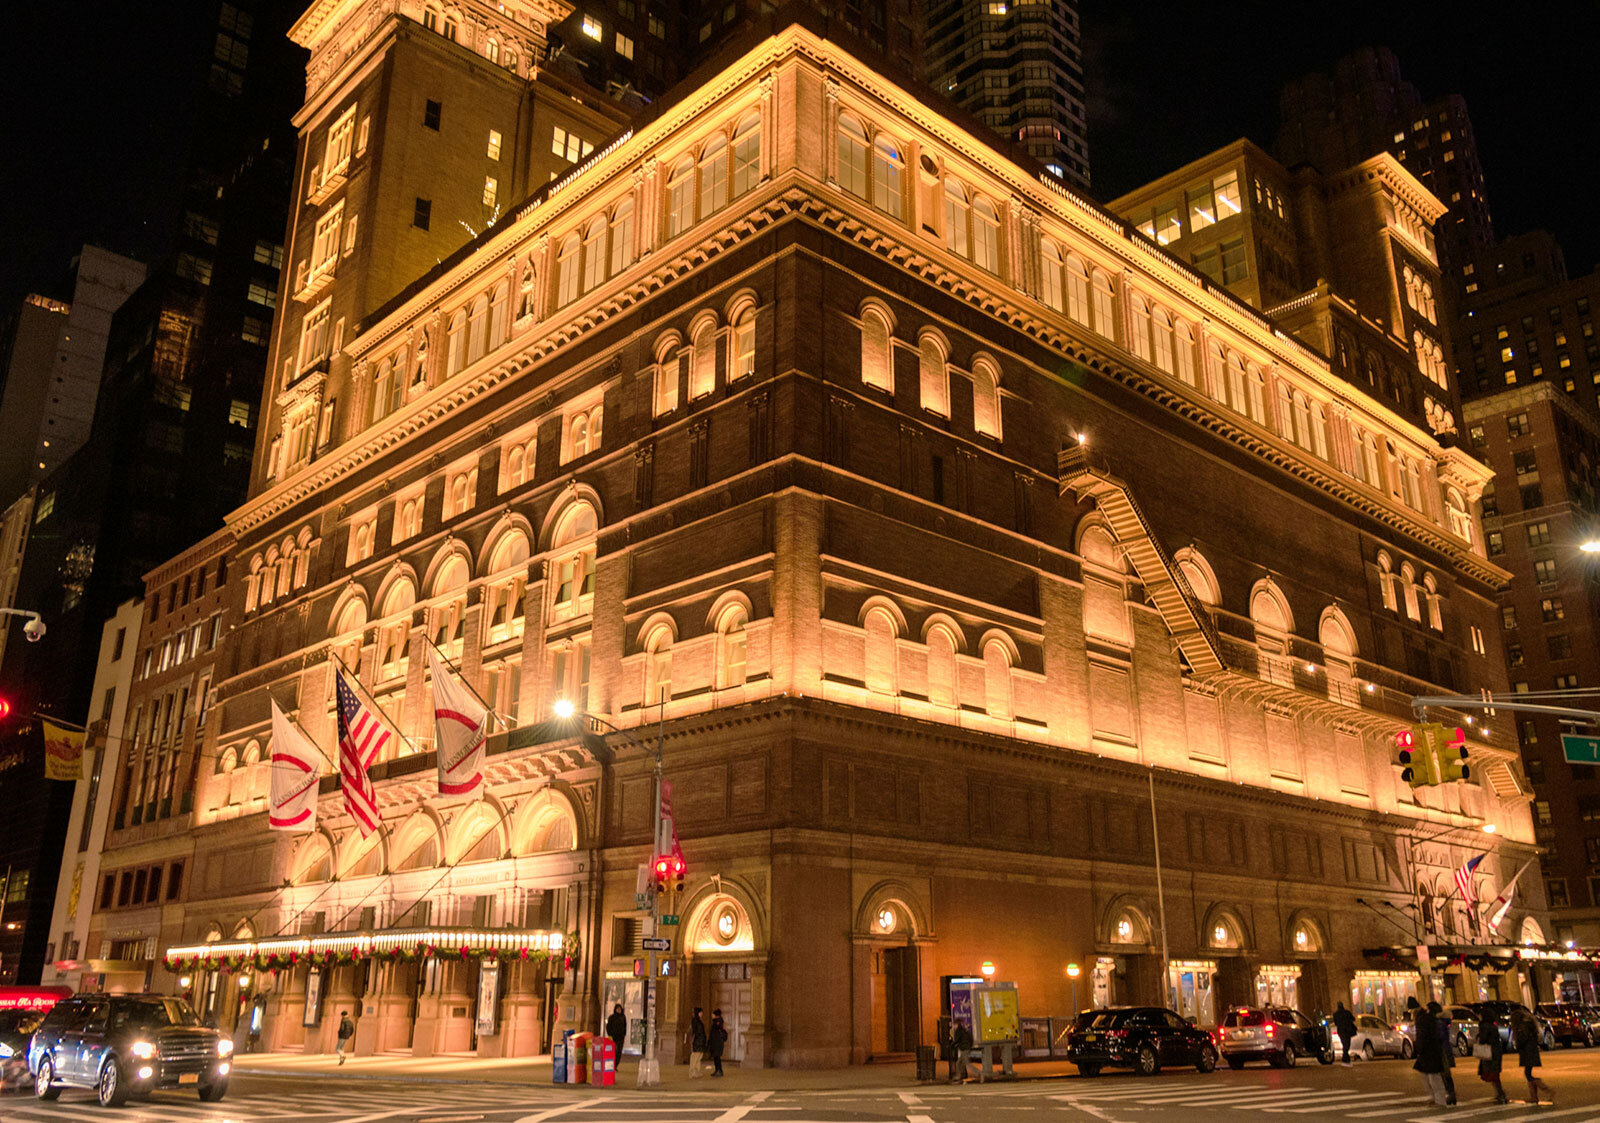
(1088, 1037)
(189, 1078)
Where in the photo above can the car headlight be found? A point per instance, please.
(142, 1049)
(224, 1047)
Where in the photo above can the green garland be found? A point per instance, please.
(286, 961)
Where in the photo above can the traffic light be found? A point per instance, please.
(1453, 759)
(5, 707)
(669, 869)
(1407, 753)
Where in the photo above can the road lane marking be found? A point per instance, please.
(910, 1099)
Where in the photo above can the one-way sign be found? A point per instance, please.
(1579, 749)
(657, 943)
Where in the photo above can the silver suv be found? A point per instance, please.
(1275, 1034)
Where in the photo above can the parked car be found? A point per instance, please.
(1375, 1037)
(1139, 1037)
(16, 1027)
(1275, 1034)
(129, 1044)
(1571, 1022)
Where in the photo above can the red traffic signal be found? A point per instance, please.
(5, 707)
(669, 868)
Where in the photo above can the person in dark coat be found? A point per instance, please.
(697, 1044)
(1525, 1037)
(1489, 1066)
(718, 1040)
(1447, 1051)
(1430, 1055)
(617, 1028)
(1344, 1022)
(961, 1047)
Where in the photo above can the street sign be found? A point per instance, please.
(657, 943)
(670, 919)
(1579, 749)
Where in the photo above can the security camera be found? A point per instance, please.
(34, 630)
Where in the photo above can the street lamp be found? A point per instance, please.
(1073, 971)
(649, 1068)
(987, 969)
(1592, 546)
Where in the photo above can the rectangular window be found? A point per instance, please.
(269, 254)
(1541, 813)
(1551, 609)
(658, 26)
(1538, 534)
(261, 294)
(314, 335)
(325, 245)
(624, 46)
(1496, 543)
(491, 190)
(1560, 647)
(1508, 617)
(494, 144)
(341, 136)
(431, 113)
(422, 214)
(1165, 226)
(1532, 497)
(1544, 570)
(1234, 265)
(1566, 682)
(1555, 892)
(1517, 425)
(591, 28)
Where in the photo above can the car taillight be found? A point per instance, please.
(1271, 1029)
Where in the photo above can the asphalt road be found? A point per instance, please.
(1377, 1091)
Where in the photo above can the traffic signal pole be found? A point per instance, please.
(650, 1067)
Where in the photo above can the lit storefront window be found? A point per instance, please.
(1189, 989)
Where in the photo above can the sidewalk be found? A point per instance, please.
(535, 1071)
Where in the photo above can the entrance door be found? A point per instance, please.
(901, 1000)
(733, 999)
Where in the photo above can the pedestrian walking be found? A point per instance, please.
(347, 1030)
(1430, 1056)
(617, 1028)
(961, 1043)
(697, 1044)
(1345, 1023)
(1525, 1038)
(1489, 1050)
(1447, 1051)
(718, 1040)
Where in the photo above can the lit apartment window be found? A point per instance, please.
(269, 254)
(624, 46)
(315, 334)
(341, 136)
(494, 144)
(569, 146)
(491, 190)
(1214, 201)
(325, 244)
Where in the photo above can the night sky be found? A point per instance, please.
(87, 153)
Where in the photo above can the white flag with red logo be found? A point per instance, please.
(296, 773)
(460, 724)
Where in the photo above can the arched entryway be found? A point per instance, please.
(888, 928)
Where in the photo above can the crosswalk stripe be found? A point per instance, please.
(1537, 1113)
(1363, 1099)
(1390, 1108)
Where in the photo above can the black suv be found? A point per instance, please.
(127, 1044)
(1139, 1037)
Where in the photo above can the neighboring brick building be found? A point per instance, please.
(894, 469)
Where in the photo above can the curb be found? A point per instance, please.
(411, 1078)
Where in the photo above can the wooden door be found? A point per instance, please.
(733, 999)
(901, 999)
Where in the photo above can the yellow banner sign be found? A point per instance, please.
(63, 753)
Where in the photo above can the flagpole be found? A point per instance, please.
(461, 676)
(377, 707)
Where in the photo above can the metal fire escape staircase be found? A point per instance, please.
(1191, 625)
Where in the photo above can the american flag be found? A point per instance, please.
(362, 735)
(1469, 894)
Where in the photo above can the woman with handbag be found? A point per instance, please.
(1489, 1050)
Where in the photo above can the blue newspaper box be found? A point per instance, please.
(558, 1058)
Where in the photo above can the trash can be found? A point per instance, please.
(558, 1058)
(927, 1063)
(603, 1066)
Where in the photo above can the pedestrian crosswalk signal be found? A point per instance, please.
(1453, 759)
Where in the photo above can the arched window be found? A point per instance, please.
(877, 349)
(941, 667)
(567, 258)
(747, 153)
(1256, 386)
(888, 176)
(583, 431)
(382, 388)
(1238, 396)
(1392, 463)
(478, 329)
(508, 569)
(455, 340)
(1338, 653)
(594, 253)
(997, 680)
(986, 398)
(852, 156)
(957, 210)
(1270, 613)
(573, 565)
(1285, 410)
(1051, 290)
(882, 633)
(935, 374)
(703, 359)
(731, 647)
(680, 197)
(666, 388)
(1387, 583)
(1183, 352)
(1369, 460)
(1460, 519)
(1319, 430)
(658, 666)
(713, 176)
(1077, 289)
(1216, 372)
(985, 236)
(394, 637)
(1430, 591)
(499, 304)
(449, 593)
(622, 237)
(742, 342)
(1161, 337)
(1139, 340)
(1105, 305)
(1408, 587)
(1302, 420)
(1196, 571)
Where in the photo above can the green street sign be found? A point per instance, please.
(671, 918)
(1579, 749)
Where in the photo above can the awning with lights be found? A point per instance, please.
(403, 944)
(1489, 957)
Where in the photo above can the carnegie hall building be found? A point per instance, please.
(956, 540)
